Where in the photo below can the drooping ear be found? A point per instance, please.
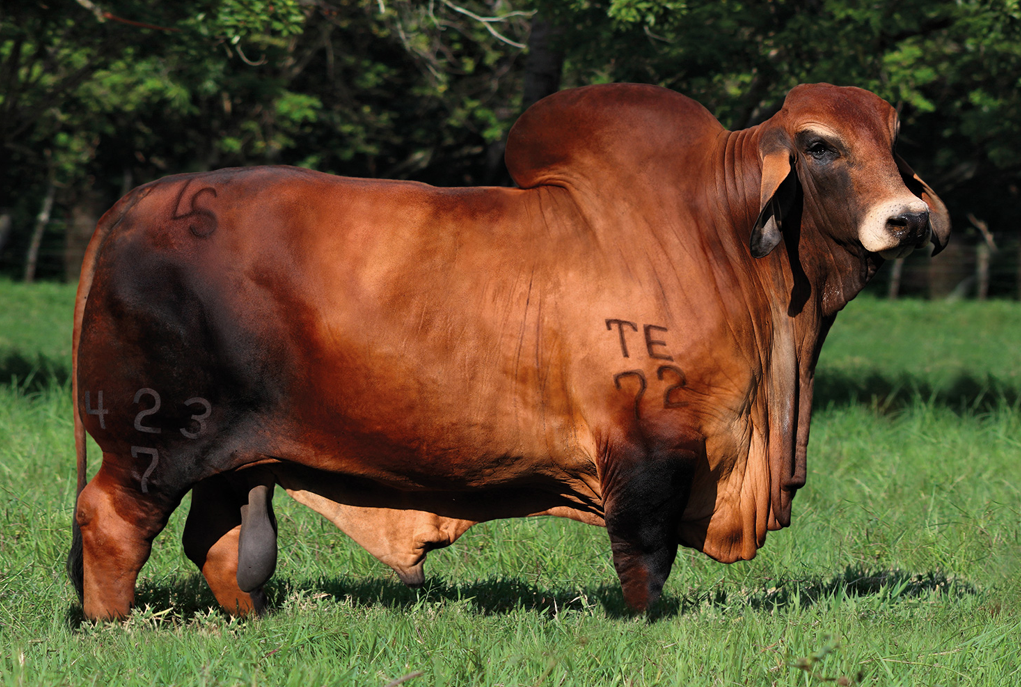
(939, 218)
(775, 197)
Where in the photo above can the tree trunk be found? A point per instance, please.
(544, 64)
(127, 181)
(40, 227)
(982, 255)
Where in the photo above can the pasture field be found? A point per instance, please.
(902, 565)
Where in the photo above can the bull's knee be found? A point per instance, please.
(117, 529)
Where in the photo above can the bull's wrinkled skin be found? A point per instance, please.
(628, 339)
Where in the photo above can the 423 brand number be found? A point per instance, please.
(151, 402)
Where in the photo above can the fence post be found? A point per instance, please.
(983, 254)
(895, 276)
(982, 270)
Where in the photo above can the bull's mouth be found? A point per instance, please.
(906, 248)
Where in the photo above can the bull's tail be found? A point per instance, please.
(75, 565)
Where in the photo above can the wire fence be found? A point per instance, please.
(965, 269)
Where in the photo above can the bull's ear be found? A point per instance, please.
(775, 200)
(939, 218)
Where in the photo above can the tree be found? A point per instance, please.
(427, 89)
(952, 69)
(75, 76)
(135, 90)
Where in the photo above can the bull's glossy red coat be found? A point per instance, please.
(599, 344)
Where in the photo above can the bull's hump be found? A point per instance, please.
(592, 131)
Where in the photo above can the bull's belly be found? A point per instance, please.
(475, 505)
(418, 422)
(472, 475)
(449, 469)
(400, 527)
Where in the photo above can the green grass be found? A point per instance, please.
(35, 333)
(902, 565)
(887, 353)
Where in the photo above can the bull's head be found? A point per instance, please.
(838, 143)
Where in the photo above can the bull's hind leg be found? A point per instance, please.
(644, 499)
(231, 536)
(118, 522)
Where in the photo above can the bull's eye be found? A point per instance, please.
(820, 150)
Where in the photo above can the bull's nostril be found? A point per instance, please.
(909, 223)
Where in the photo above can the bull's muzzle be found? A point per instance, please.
(908, 229)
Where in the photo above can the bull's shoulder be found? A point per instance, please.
(589, 131)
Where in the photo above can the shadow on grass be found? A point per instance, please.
(33, 374)
(494, 596)
(175, 598)
(891, 393)
(854, 582)
(181, 598)
(506, 595)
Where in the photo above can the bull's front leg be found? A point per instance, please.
(644, 497)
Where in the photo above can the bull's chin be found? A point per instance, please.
(898, 252)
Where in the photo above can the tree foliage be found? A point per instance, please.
(99, 95)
